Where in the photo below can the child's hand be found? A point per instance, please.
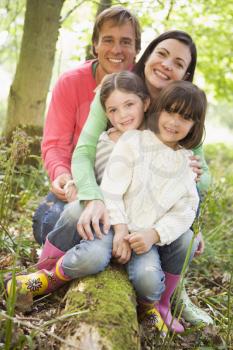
(141, 242)
(121, 249)
(70, 191)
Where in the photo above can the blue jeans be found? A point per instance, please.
(81, 257)
(146, 271)
(89, 257)
(46, 216)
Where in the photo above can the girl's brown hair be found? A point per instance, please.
(124, 81)
(186, 99)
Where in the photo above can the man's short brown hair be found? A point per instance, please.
(118, 15)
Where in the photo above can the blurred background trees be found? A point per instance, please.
(40, 39)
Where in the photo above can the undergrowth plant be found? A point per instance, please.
(18, 181)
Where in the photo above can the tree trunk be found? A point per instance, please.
(107, 319)
(27, 96)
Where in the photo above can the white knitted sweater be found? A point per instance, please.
(146, 184)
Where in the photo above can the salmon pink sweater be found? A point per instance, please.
(67, 113)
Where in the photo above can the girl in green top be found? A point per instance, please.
(171, 56)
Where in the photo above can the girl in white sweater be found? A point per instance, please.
(150, 192)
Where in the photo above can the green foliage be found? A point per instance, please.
(11, 25)
(221, 113)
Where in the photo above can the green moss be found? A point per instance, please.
(110, 300)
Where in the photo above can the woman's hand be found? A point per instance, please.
(196, 166)
(141, 242)
(94, 213)
(57, 186)
(201, 245)
(121, 249)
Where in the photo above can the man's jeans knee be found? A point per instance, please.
(46, 216)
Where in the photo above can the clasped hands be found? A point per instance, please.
(124, 242)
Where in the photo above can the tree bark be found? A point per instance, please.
(27, 96)
(107, 319)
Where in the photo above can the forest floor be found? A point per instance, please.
(209, 279)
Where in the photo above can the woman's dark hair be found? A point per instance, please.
(124, 81)
(179, 35)
(186, 99)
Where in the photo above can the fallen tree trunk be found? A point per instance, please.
(110, 320)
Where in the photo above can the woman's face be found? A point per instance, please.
(169, 61)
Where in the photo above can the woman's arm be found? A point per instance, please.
(83, 158)
(205, 178)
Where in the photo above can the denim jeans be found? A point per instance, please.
(46, 216)
(146, 271)
(81, 257)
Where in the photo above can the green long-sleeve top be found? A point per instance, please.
(83, 158)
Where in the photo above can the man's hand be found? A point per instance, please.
(57, 186)
(141, 242)
(121, 249)
(94, 213)
(201, 245)
(196, 166)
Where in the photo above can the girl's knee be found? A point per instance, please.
(86, 259)
(149, 284)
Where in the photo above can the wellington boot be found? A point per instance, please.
(40, 282)
(49, 256)
(171, 281)
(149, 315)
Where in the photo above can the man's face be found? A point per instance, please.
(115, 48)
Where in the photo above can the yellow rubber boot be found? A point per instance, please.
(36, 283)
(150, 316)
(40, 282)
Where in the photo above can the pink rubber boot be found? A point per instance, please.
(171, 281)
(49, 256)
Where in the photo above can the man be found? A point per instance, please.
(116, 40)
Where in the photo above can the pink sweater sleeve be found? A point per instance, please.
(67, 113)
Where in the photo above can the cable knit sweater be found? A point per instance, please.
(147, 184)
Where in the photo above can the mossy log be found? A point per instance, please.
(109, 320)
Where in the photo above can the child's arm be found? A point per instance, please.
(121, 249)
(83, 158)
(205, 179)
(116, 179)
(179, 218)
